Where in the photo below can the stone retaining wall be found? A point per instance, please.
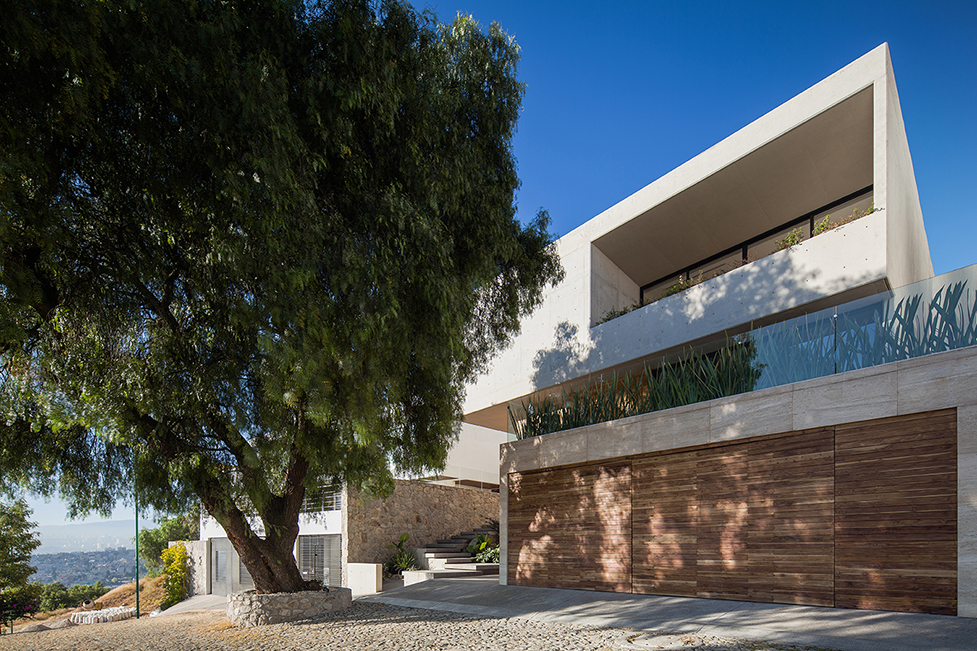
(427, 512)
(252, 609)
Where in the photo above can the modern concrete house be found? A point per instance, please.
(842, 488)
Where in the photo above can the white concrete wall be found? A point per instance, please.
(564, 315)
(895, 188)
(475, 455)
(364, 578)
(610, 288)
(309, 524)
(940, 381)
(889, 247)
(845, 258)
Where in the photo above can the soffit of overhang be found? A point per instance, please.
(825, 158)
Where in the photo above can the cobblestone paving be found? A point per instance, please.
(365, 626)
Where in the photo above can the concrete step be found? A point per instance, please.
(485, 532)
(440, 553)
(416, 576)
(484, 568)
(461, 542)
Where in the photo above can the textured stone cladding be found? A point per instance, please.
(428, 512)
(197, 556)
(251, 609)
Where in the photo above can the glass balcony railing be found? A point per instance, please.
(923, 318)
(927, 317)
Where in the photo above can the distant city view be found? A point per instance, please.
(113, 567)
(88, 536)
(83, 553)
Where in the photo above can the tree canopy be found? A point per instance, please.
(18, 540)
(248, 248)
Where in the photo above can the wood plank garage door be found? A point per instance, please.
(896, 514)
(861, 516)
(748, 520)
(571, 528)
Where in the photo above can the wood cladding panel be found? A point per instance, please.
(665, 509)
(743, 521)
(896, 514)
(571, 528)
(858, 516)
(790, 545)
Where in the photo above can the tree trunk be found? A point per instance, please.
(271, 560)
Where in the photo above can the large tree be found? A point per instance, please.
(248, 248)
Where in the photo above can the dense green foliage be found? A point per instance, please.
(56, 595)
(484, 549)
(153, 542)
(177, 575)
(22, 601)
(691, 378)
(18, 540)
(402, 559)
(249, 248)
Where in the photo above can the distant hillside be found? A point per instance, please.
(112, 567)
(87, 536)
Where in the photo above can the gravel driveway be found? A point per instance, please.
(365, 626)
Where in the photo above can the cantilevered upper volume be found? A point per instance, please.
(702, 249)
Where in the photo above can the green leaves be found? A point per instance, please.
(17, 542)
(257, 246)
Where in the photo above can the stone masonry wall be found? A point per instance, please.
(251, 609)
(427, 512)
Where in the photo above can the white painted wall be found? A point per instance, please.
(309, 524)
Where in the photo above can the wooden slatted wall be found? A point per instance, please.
(743, 521)
(896, 514)
(860, 516)
(571, 528)
(790, 547)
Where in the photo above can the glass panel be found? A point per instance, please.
(220, 566)
(320, 559)
(844, 213)
(658, 290)
(243, 576)
(718, 267)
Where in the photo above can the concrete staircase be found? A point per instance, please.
(448, 558)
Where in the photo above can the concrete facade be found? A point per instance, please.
(940, 381)
(840, 141)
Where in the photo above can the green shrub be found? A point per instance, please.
(177, 575)
(692, 378)
(484, 549)
(20, 601)
(403, 559)
(792, 238)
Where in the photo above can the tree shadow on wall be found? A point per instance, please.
(571, 528)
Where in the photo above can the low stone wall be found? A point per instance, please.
(427, 512)
(252, 609)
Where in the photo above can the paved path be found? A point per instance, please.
(845, 630)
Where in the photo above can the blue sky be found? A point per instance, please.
(620, 93)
